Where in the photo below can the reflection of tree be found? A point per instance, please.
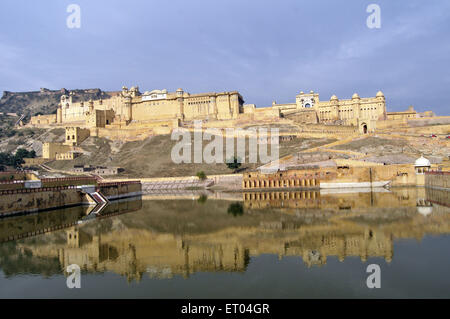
(246, 258)
(14, 261)
(202, 199)
(236, 209)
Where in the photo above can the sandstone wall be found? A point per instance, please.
(113, 190)
(30, 200)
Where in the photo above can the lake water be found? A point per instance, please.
(235, 245)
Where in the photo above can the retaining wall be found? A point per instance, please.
(113, 190)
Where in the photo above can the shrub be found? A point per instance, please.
(201, 175)
(233, 163)
(10, 133)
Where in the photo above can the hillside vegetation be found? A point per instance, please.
(152, 157)
(42, 102)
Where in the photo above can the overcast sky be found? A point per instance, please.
(267, 50)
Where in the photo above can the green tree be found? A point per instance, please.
(201, 175)
(17, 159)
(6, 159)
(234, 163)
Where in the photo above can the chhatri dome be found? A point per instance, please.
(334, 97)
(380, 94)
(422, 162)
(355, 96)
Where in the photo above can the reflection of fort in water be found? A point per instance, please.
(346, 199)
(312, 225)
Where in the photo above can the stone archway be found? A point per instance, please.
(364, 128)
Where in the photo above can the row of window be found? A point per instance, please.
(199, 102)
(362, 109)
(157, 103)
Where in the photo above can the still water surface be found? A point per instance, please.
(251, 245)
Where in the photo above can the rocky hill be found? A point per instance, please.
(44, 101)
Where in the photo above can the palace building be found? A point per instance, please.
(131, 108)
(357, 111)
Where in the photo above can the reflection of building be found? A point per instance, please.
(315, 249)
(16, 227)
(132, 253)
(328, 200)
(362, 225)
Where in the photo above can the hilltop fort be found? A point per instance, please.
(130, 109)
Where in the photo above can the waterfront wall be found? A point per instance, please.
(115, 190)
(437, 180)
(227, 180)
(48, 182)
(26, 200)
(34, 199)
(342, 176)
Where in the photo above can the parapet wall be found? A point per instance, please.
(68, 181)
(15, 184)
(425, 121)
(330, 129)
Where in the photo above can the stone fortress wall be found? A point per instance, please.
(131, 109)
(131, 106)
